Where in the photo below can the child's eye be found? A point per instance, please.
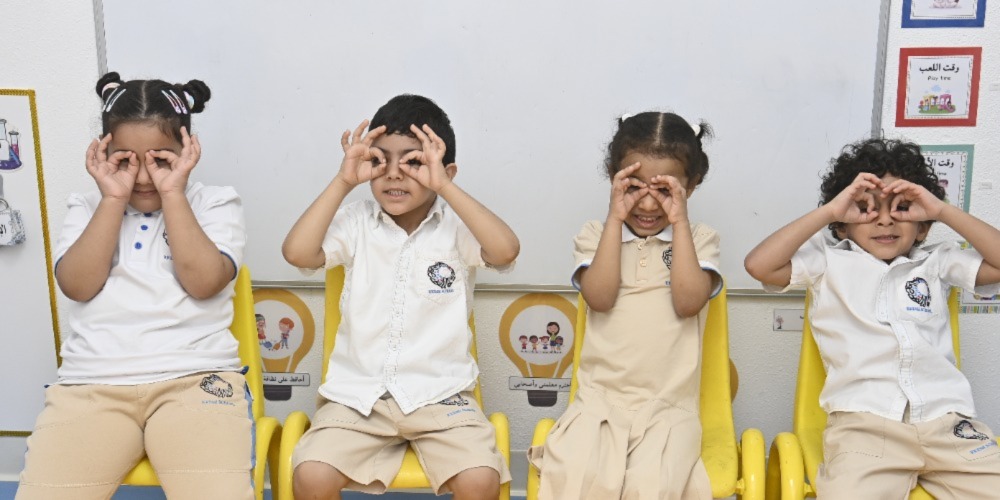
(862, 206)
(413, 162)
(664, 191)
(903, 207)
(123, 165)
(631, 189)
(161, 163)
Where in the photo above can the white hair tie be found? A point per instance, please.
(625, 116)
(109, 85)
(697, 129)
(189, 98)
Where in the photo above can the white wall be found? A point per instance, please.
(50, 47)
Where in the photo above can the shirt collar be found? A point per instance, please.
(666, 235)
(917, 253)
(379, 216)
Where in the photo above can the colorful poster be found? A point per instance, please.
(938, 87)
(537, 333)
(953, 166)
(285, 331)
(944, 13)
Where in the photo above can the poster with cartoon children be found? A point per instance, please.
(283, 349)
(533, 331)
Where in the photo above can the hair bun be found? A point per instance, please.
(102, 84)
(199, 92)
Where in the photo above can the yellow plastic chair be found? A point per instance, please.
(411, 475)
(795, 456)
(268, 429)
(734, 468)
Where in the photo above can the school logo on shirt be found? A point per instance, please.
(165, 240)
(668, 255)
(214, 385)
(442, 275)
(965, 430)
(919, 291)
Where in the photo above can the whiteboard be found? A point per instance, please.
(533, 90)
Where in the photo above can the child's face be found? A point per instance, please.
(283, 327)
(399, 195)
(140, 137)
(552, 329)
(885, 238)
(647, 217)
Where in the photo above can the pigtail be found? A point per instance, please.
(106, 85)
(196, 93)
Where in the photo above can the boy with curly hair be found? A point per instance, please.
(899, 409)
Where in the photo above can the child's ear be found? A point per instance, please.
(452, 170)
(922, 230)
(840, 230)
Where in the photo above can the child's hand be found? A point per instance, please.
(912, 202)
(626, 191)
(115, 176)
(426, 166)
(362, 162)
(855, 205)
(169, 171)
(671, 195)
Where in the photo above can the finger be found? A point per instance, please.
(344, 142)
(412, 155)
(102, 148)
(118, 157)
(91, 159)
(374, 134)
(359, 132)
(434, 138)
(195, 150)
(421, 136)
(627, 171)
(378, 155)
(164, 154)
(185, 138)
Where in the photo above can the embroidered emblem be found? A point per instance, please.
(214, 385)
(965, 430)
(668, 255)
(441, 274)
(456, 400)
(918, 291)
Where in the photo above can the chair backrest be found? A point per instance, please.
(809, 419)
(244, 328)
(331, 322)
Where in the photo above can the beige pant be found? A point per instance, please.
(197, 431)
(448, 437)
(867, 456)
(597, 451)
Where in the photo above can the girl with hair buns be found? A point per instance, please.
(149, 364)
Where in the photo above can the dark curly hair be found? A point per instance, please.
(157, 101)
(880, 157)
(660, 135)
(407, 109)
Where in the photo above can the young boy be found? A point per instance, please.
(401, 372)
(899, 410)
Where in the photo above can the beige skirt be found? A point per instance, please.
(600, 451)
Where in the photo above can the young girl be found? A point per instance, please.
(149, 364)
(647, 274)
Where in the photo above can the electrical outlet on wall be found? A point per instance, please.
(788, 320)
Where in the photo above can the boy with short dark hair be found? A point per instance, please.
(401, 373)
(899, 409)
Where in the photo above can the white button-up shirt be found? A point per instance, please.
(143, 326)
(883, 329)
(405, 307)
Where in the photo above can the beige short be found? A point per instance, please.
(867, 456)
(597, 450)
(448, 437)
(197, 431)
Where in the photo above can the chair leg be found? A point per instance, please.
(785, 470)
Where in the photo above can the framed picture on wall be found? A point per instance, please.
(953, 165)
(944, 13)
(938, 86)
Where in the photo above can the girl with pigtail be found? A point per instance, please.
(646, 273)
(148, 261)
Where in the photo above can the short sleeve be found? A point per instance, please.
(342, 236)
(469, 249)
(77, 218)
(808, 264)
(584, 247)
(219, 212)
(706, 248)
(958, 267)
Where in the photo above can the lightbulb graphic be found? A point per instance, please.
(537, 334)
(285, 331)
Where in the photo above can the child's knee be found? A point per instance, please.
(478, 482)
(317, 480)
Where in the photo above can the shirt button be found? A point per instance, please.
(144, 227)
(148, 214)
(138, 246)
(642, 262)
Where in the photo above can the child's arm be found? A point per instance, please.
(201, 268)
(84, 268)
(770, 262)
(918, 204)
(600, 282)
(303, 247)
(690, 284)
(499, 243)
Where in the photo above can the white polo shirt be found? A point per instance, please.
(142, 326)
(883, 329)
(405, 307)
